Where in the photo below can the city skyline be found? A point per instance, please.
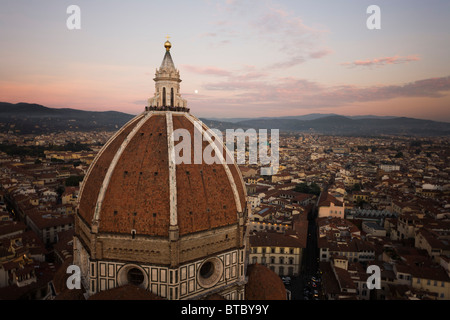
(236, 58)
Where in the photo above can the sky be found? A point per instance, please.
(236, 58)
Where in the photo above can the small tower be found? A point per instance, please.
(167, 86)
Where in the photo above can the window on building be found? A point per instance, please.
(135, 276)
(164, 97)
(207, 269)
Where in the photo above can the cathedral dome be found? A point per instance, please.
(133, 187)
(156, 213)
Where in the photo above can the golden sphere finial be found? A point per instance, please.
(167, 44)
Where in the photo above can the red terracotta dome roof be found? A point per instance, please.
(126, 292)
(131, 185)
(263, 284)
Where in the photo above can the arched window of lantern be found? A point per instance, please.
(164, 97)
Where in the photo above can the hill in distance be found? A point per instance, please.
(310, 116)
(27, 118)
(34, 118)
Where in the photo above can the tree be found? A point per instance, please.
(60, 190)
(360, 203)
(313, 188)
(73, 181)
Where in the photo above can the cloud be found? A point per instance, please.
(299, 59)
(273, 26)
(379, 62)
(214, 71)
(278, 21)
(290, 62)
(341, 95)
(292, 92)
(235, 85)
(320, 53)
(237, 79)
(296, 41)
(250, 75)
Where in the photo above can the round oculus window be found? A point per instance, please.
(210, 272)
(132, 274)
(135, 276)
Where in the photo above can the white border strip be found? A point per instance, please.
(172, 171)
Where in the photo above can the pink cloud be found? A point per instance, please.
(296, 41)
(206, 70)
(299, 59)
(247, 73)
(290, 62)
(378, 62)
(320, 53)
(292, 92)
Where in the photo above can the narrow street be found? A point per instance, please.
(311, 252)
(310, 263)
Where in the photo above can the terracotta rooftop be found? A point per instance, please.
(126, 292)
(268, 239)
(263, 284)
(326, 199)
(10, 227)
(44, 219)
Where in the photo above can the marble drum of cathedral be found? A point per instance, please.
(177, 230)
